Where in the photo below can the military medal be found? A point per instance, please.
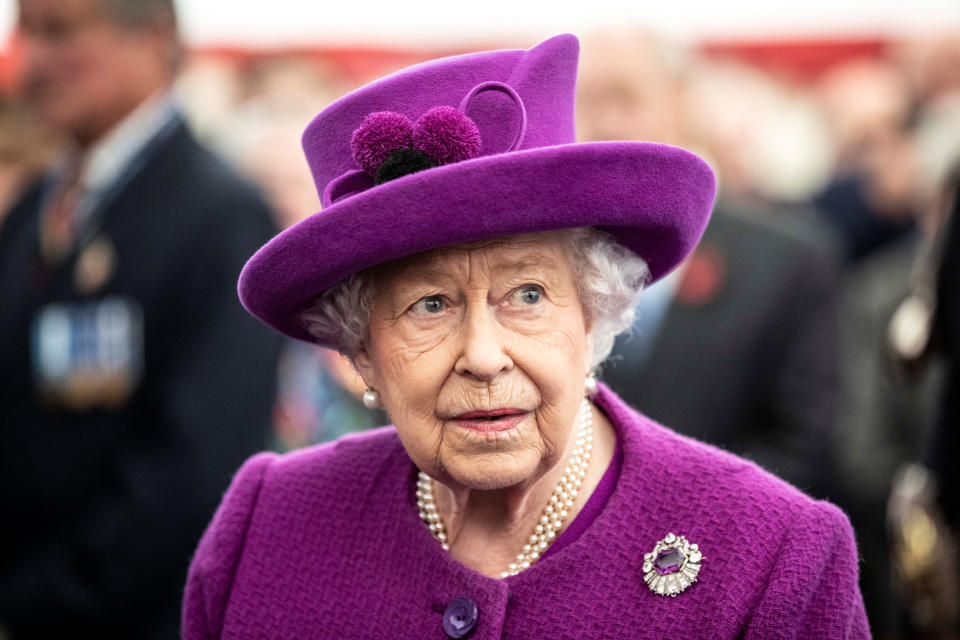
(95, 265)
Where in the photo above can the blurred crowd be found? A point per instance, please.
(813, 329)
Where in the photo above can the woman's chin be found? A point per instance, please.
(492, 472)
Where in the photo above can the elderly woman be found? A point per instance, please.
(475, 265)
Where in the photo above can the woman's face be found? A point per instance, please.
(479, 354)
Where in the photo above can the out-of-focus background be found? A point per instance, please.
(801, 333)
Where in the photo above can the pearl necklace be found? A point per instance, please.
(554, 514)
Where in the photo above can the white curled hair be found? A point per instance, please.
(610, 279)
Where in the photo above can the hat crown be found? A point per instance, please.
(544, 78)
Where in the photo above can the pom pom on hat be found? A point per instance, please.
(442, 135)
(447, 135)
(403, 162)
(380, 134)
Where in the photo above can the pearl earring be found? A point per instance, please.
(371, 399)
(590, 384)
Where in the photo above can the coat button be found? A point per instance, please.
(460, 618)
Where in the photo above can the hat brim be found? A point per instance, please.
(654, 199)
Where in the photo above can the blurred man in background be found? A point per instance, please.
(870, 199)
(126, 401)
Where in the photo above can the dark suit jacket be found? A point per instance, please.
(946, 440)
(103, 507)
(752, 366)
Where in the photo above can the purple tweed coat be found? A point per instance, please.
(326, 543)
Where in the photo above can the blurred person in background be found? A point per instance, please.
(737, 346)
(892, 375)
(924, 508)
(941, 121)
(886, 414)
(945, 446)
(871, 199)
(132, 383)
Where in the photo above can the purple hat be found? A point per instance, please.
(398, 175)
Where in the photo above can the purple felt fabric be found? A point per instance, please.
(545, 78)
(655, 199)
(326, 543)
(447, 135)
(379, 135)
(595, 504)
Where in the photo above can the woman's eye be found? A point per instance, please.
(529, 294)
(429, 304)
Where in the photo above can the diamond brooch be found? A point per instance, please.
(672, 566)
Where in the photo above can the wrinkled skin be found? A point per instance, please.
(489, 325)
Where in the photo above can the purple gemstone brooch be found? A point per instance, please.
(672, 566)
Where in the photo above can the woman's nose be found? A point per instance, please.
(483, 353)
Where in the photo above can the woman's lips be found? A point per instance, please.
(490, 421)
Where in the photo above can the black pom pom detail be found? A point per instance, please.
(403, 162)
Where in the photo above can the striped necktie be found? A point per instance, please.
(58, 224)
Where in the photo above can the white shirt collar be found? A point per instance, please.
(109, 156)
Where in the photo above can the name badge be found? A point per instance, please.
(89, 354)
